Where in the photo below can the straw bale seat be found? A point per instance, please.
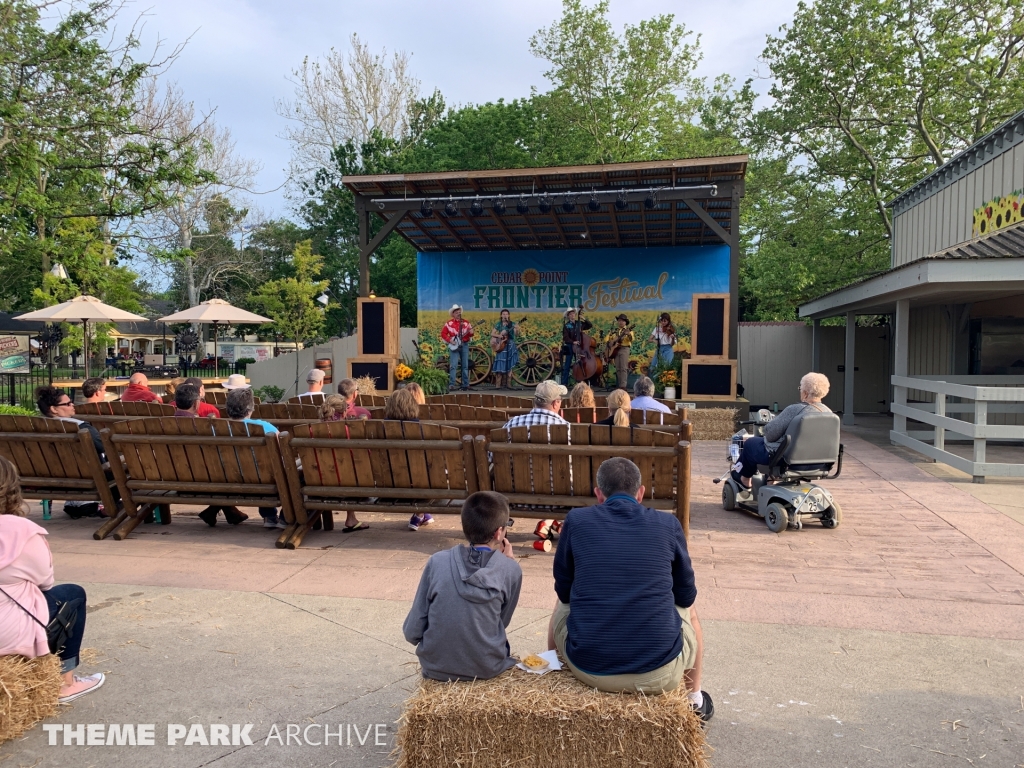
(549, 721)
(713, 423)
(28, 693)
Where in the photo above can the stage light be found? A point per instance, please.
(621, 202)
(476, 207)
(522, 206)
(499, 207)
(546, 204)
(569, 203)
(714, 191)
(593, 203)
(426, 209)
(650, 202)
(451, 208)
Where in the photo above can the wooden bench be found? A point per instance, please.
(105, 413)
(195, 461)
(220, 397)
(557, 465)
(286, 415)
(482, 400)
(58, 461)
(406, 465)
(451, 412)
(310, 398)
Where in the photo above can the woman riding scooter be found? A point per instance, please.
(759, 450)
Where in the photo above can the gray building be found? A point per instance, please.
(955, 292)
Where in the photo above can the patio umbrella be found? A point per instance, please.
(82, 309)
(215, 311)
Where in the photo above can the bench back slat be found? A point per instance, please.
(654, 417)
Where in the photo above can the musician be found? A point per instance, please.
(621, 340)
(507, 359)
(572, 331)
(664, 338)
(457, 328)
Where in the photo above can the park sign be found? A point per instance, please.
(14, 354)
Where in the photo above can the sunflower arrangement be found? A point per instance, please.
(402, 372)
(668, 378)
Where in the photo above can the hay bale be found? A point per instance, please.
(366, 385)
(712, 423)
(29, 689)
(549, 721)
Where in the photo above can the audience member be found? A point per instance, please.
(402, 406)
(466, 598)
(618, 409)
(349, 390)
(417, 392)
(206, 410)
(240, 406)
(643, 397)
(171, 387)
(94, 390)
(138, 390)
(235, 381)
(333, 409)
(314, 383)
(547, 402)
(29, 599)
(55, 403)
(625, 619)
(582, 396)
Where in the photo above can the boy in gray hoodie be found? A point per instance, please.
(466, 598)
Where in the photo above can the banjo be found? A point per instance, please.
(457, 342)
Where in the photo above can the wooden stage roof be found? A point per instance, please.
(657, 203)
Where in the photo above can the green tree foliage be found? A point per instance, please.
(291, 301)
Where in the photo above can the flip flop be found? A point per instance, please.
(360, 526)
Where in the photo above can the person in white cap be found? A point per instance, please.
(547, 404)
(314, 383)
(457, 329)
(235, 381)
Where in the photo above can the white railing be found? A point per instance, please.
(987, 395)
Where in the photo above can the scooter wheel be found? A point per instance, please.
(776, 517)
(728, 497)
(833, 516)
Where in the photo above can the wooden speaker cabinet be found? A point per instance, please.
(379, 329)
(710, 325)
(380, 367)
(709, 379)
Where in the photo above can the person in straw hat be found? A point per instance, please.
(457, 328)
(235, 381)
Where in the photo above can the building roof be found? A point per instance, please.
(711, 181)
(993, 144)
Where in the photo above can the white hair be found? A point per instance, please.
(814, 385)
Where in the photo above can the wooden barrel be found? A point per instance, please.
(326, 365)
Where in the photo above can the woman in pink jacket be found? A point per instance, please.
(26, 581)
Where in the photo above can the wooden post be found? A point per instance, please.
(980, 420)
(683, 486)
(850, 367)
(482, 472)
(469, 458)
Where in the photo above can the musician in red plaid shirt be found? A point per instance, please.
(457, 328)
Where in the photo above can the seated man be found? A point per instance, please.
(138, 390)
(240, 406)
(466, 598)
(94, 389)
(547, 407)
(205, 410)
(349, 390)
(314, 383)
(643, 397)
(624, 619)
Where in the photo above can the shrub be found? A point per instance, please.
(17, 410)
(269, 394)
(433, 380)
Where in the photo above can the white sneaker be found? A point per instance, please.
(268, 523)
(99, 679)
(281, 524)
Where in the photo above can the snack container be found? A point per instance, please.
(542, 546)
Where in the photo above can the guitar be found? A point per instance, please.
(455, 343)
(498, 343)
(615, 342)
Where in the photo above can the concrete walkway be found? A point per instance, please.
(896, 639)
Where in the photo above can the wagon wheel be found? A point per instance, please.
(479, 364)
(536, 363)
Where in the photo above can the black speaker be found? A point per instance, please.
(371, 326)
(711, 327)
(380, 372)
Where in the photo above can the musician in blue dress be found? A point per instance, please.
(506, 357)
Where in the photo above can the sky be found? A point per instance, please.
(240, 53)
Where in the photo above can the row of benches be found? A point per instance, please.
(383, 466)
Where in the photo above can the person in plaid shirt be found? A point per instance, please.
(547, 403)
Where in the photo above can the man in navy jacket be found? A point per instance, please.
(624, 620)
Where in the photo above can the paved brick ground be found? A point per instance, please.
(914, 554)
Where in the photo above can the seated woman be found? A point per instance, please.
(582, 396)
(29, 599)
(759, 450)
(335, 408)
(402, 406)
(619, 407)
(171, 387)
(417, 392)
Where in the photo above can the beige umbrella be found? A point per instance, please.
(82, 309)
(216, 311)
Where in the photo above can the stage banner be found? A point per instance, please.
(541, 285)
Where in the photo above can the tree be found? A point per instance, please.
(291, 301)
(348, 97)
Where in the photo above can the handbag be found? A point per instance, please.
(59, 630)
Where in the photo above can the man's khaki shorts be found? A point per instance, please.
(656, 681)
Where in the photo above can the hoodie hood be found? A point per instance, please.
(14, 534)
(473, 580)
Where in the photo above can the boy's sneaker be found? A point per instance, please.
(706, 710)
(419, 520)
(269, 522)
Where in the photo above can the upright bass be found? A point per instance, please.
(588, 364)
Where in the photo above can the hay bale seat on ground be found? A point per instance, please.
(712, 423)
(546, 721)
(28, 693)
